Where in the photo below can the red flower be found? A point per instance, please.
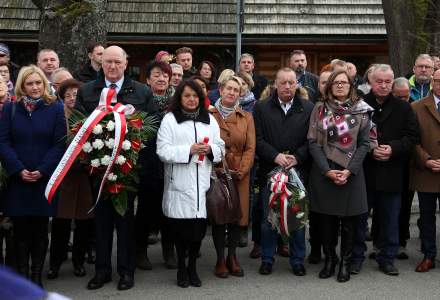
(82, 155)
(127, 166)
(136, 145)
(115, 188)
(296, 208)
(136, 123)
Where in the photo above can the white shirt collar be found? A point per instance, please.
(118, 83)
(436, 100)
(285, 105)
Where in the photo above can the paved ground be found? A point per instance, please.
(160, 283)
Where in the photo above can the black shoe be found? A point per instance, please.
(153, 238)
(142, 261)
(194, 279)
(329, 267)
(299, 270)
(79, 271)
(243, 242)
(344, 270)
(53, 272)
(389, 269)
(98, 282)
(372, 255)
(356, 268)
(126, 282)
(265, 268)
(182, 278)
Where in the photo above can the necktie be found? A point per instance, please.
(113, 85)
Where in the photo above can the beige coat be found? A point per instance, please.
(238, 133)
(421, 178)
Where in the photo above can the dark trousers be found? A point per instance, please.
(149, 214)
(31, 240)
(315, 232)
(405, 216)
(7, 257)
(328, 230)
(386, 207)
(60, 236)
(106, 219)
(428, 207)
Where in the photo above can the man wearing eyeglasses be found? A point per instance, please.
(420, 82)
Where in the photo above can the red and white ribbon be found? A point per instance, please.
(279, 191)
(107, 97)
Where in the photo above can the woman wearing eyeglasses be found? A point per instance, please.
(338, 142)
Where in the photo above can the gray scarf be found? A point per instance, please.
(223, 110)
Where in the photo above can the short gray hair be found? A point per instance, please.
(424, 56)
(248, 55)
(176, 66)
(382, 68)
(400, 82)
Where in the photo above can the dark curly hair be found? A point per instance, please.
(176, 102)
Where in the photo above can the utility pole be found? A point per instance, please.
(240, 28)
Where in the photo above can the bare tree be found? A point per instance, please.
(67, 26)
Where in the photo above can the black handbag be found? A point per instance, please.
(222, 197)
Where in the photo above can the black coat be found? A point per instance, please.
(86, 74)
(260, 83)
(132, 92)
(277, 132)
(396, 126)
(309, 81)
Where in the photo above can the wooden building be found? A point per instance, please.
(348, 29)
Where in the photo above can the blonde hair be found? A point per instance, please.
(246, 78)
(225, 73)
(230, 78)
(27, 71)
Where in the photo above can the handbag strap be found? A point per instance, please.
(225, 165)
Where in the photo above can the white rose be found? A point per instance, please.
(302, 194)
(87, 148)
(300, 215)
(97, 129)
(95, 163)
(112, 177)
(105, 160)
(110, 143)
(126, 145)
(110, 125)
(98, 144)
(120, 160)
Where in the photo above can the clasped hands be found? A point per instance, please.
(286, 161)
(433, 165)
(382, 152)
(200, 148)
(29, 176)
(338, 177)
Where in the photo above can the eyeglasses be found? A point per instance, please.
(424, 67)
(340, 83)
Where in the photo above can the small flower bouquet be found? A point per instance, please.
(288, 210)
(108, 143)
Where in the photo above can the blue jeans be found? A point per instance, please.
(297, 241)
(386, 207)
(428, 206)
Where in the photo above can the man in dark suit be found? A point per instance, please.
(281, 126)
(307, 80)
(139, 95)
(397, 133)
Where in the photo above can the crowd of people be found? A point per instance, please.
(362, 146)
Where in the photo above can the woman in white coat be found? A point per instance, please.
(188, 142)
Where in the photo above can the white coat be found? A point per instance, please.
(186, 181)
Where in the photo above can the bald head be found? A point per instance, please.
(114, 63)
(60, 75)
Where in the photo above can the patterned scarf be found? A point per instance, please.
(247, 102)
(191, 114)
(223, 110)
(163, 101)
(30, 103)
(336, 125)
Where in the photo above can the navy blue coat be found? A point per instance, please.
(34, 142)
